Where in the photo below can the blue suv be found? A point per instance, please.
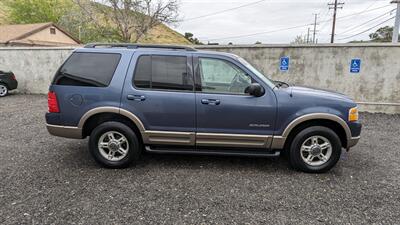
(130, 98)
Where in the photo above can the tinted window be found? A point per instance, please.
(221, 76)
(143, 72)
(88, 69)
(163, 72)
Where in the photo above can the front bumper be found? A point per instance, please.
(355, 129)
(65, 131)
(352, 141)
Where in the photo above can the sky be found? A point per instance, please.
(267, 20)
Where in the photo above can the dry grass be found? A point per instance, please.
(162, 34)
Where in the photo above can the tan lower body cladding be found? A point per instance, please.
(206, 139)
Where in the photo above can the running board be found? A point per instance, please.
(213, 152)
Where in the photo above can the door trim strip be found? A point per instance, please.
(168, 137)
(233, 140)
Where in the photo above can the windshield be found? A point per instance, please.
(256, 72)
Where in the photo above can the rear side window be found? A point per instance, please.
(88, 69)
(163, 72)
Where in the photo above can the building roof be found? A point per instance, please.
(13, 33)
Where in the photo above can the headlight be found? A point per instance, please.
(353, 114)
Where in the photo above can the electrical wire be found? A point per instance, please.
(259, 33)
(291, 28)
(362, 24)
(367, 29)
(222, 11)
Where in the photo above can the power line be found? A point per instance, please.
(291, 28)
(364, 11)
(264, 32)
(324, 19)
(367, 29)
(366, 22)
(222, 11)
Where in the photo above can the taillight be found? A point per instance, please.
(13, 77)
(52, 102)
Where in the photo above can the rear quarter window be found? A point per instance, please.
(88, 69)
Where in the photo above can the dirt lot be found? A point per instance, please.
(50, 180)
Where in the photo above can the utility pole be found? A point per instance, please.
(315, 27)
(395, 36)
(334, 6)
(308, 35)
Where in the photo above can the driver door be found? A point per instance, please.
(225, 115)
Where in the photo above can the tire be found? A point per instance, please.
(3, 90)
(118, 159)
(313, 140)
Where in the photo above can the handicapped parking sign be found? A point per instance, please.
(355, 66)
(284, 65)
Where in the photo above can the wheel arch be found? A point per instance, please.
(4, 83)
(337, 124)
(100, 115)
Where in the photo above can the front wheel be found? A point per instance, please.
(114, 145)
(315, 150)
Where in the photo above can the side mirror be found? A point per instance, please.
(255, 90)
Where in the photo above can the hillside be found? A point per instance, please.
(163, 34)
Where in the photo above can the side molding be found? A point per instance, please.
(168, 137)
(233, 140)
(202, 139)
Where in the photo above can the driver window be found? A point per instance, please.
(220, 76)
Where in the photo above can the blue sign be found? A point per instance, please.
(284, 63)
(355, 66)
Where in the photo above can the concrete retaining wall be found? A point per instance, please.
(33, 67)
(376, 87)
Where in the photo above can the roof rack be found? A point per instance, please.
(136, 46)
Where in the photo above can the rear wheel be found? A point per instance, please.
(315, 149)
(3, 90)
(114, 145)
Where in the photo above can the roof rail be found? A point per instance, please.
(136, 46)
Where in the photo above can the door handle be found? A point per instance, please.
(210, 101)
(136, 97)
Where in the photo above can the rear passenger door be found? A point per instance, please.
(159, 90)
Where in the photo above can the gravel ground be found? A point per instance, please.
(50, 180)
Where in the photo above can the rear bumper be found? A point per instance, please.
(13, 84)
(65, 131)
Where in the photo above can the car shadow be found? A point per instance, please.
(77, 155)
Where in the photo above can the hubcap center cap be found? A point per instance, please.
(316, 150)
(113, 146)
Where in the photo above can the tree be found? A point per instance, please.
(129, 20)
(299, 40)
(35, 11)
(258, 43)
(383, 34)
(189, 37)
(77, 23)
